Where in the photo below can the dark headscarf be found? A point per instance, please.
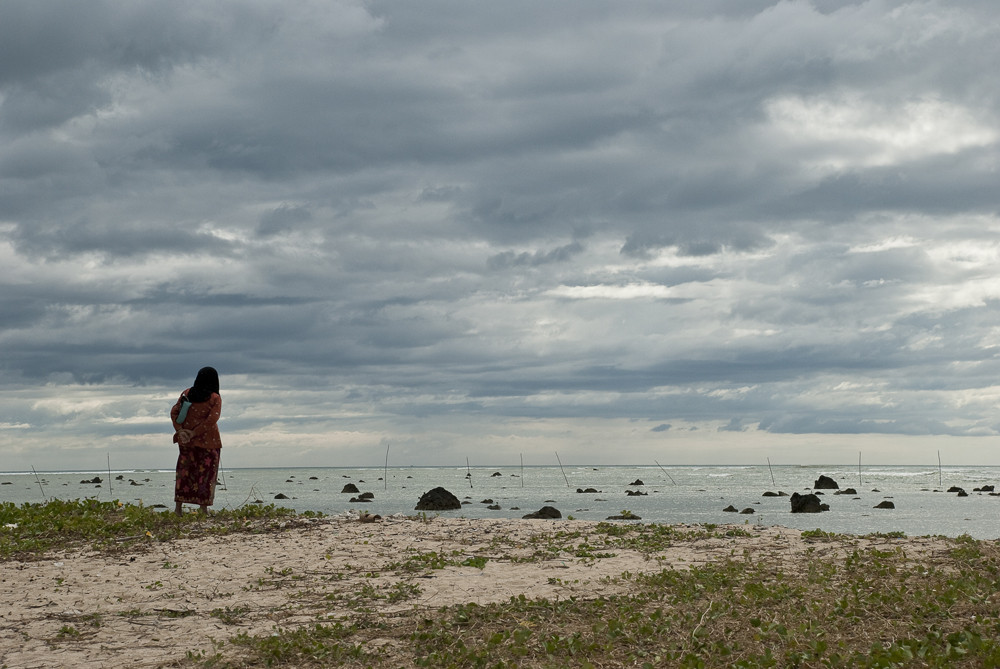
(206, 383)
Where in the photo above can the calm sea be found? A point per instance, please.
(689, 494)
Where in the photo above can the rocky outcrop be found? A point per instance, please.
(886, 504)
(825, 483)
(546, 512)
(731, 509)
(637, 482)
(588, 490)
(351, 488)
(438, 499)
(846, 491)
(807, 503)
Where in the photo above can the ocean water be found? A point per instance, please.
(682, 494)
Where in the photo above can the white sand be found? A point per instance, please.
(152, 607)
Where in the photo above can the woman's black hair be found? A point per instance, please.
(206, 383)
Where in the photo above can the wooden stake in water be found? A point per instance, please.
(39, 481)
(859, 467)
(468, 469)
(561, 468)
(522, 470)
(110, 493)
(385, 470)
(666, 472)
(770, 470)
(940, 478)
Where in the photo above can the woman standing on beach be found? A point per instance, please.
(196, 432)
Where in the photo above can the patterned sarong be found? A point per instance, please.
(197, 469)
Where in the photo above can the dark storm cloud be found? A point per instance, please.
(742, 216)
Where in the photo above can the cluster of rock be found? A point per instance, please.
(810, 502)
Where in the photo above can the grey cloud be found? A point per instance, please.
(524, 259)
(506, 212)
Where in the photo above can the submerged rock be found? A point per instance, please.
(825, 483)
(807, 504)
(547, 512)
(438, 499)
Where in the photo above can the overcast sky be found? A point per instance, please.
(689, 232)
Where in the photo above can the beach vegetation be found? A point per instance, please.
(880, 605)
(62, 524)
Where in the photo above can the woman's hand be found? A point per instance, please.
(184, 436)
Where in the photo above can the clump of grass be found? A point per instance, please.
(60, 524)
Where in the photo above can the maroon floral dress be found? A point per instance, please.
(198, 461)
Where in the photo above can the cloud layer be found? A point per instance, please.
(492, 230)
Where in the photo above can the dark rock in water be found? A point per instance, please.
(807, 504)
(131, 482)
(6, 483)
(465, 501)
(747, 511)
(96, 479)
(487, 501)
(846, 491)
(547, 512)
(637, 482)
(884, 505)
(730, 509)
(120, 477)
(438, 499)
(628, 516)
(350, 487)
(962, 493)
(515, 508)
(581, 490)
(986, 488)
(954, 488)
(493, 507)
(367, 495)
(158, 506)
(636, 493)
(314, 478)
(359, 500)
(281, 495)
(825, 483)
(769, 494)
(548, 501)
(496, 474)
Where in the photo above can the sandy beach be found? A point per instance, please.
(159, 603)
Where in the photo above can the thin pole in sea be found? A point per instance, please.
(666, 472)
(561, 469)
